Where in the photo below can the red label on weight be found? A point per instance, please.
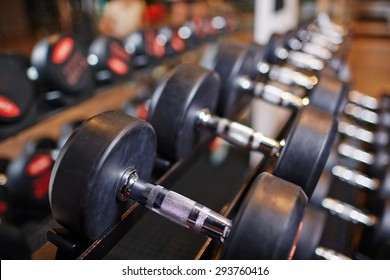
(41, 186)
(177, 43)
(62, 50)
(119, 51)
(8, 109)
(3, 207)
(117, 66)
(39, 165)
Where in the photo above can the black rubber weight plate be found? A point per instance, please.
(307, 148)
(330, 94)
(111, 55)
(86, 174)
(62, 64)
(231, 62)
(16, 91)
(313, 227)
(174, 108)
(268, 222)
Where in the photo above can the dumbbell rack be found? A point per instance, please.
(64, 245)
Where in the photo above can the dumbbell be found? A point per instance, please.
(17, 105)
(352, 177)
(308, 246)
(107, 55)
(376, 140)
(92, 185)
(181, 112)
(375, 164)
(381, 118)
(278, 51)
(240, 66)
(143, 47)
(27, 179)
(59, 65)
(380, 225)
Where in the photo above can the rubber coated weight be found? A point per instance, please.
(67, 131)
(170, 38)
(274, 44)
(307, 148)
(330, 94)
(268, 222)
(313, 225)
(231, 62)
(173, 110)
(109, 58)
(13, 244)
(28, 177)
(61, 63)
(16, 91)
(91, 205)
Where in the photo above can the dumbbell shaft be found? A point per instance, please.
(356, 132)
(239, 134)
(287, 75)
(363, 100)
(329, 254)
(354, 153)
(173, 206)
(300, 59)
(361, 114)
(348, 212)
(355, 178)
(272, 94)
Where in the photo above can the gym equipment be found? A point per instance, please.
(92, 185)
(240, 66)
(181, 112)
(108, 57)
(308, 246)
(59, 63)
(375, 164)
(16, 91)
(28, 178)
(380, 224)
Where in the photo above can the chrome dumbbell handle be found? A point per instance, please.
(348, 212)
(173, 206)
(301, 60)
(356, 132)
(328, 254)
(287, 75)
(355, 178)
(361, 114)
(272, 94)
(354, 153)
(363, 100)
(240, 135)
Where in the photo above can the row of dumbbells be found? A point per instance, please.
(24, 180)
(65, 72)
(374, 161)
(182, 113)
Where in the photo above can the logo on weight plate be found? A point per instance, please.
(62, 50)
(8, 108)
(39, 165)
